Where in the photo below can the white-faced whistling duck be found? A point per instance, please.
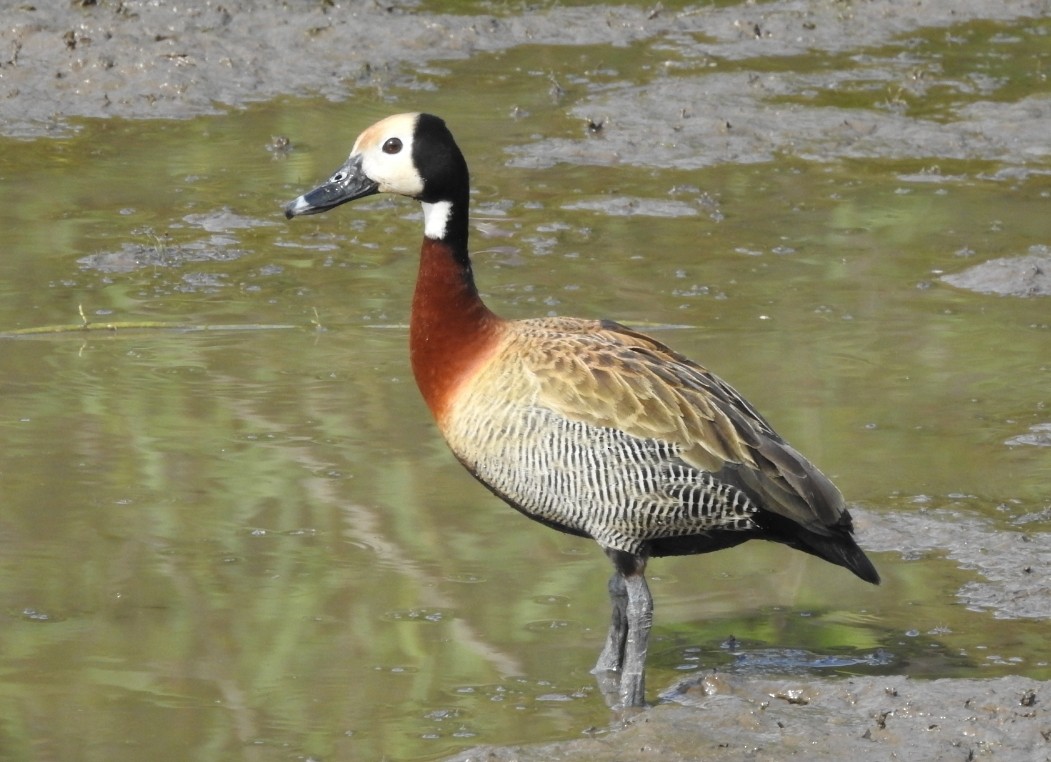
(585, 425)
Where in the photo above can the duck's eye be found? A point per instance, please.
(393, 145)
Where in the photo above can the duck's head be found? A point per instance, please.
(411, 155)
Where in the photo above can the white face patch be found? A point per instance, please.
(436, 219)
(393, 170)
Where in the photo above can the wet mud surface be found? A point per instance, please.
(150, 60)
(721, 718)
(61, 61)
(1028, 275)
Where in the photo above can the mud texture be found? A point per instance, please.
(136, 59)
(1027, 275)
(143, 59)
(720, 718)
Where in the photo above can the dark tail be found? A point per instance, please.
(843, 551)
(837, 547)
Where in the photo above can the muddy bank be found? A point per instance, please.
(1028, 275)
(153, 60)
(726, 718)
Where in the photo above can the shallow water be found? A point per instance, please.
(250, 541)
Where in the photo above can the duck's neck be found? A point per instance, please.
(451, 331)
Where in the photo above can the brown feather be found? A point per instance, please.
(605, 375)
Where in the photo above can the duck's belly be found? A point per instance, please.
(622, 491)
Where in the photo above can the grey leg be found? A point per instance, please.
(629, 630)
(640, 619)
(612, 656)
